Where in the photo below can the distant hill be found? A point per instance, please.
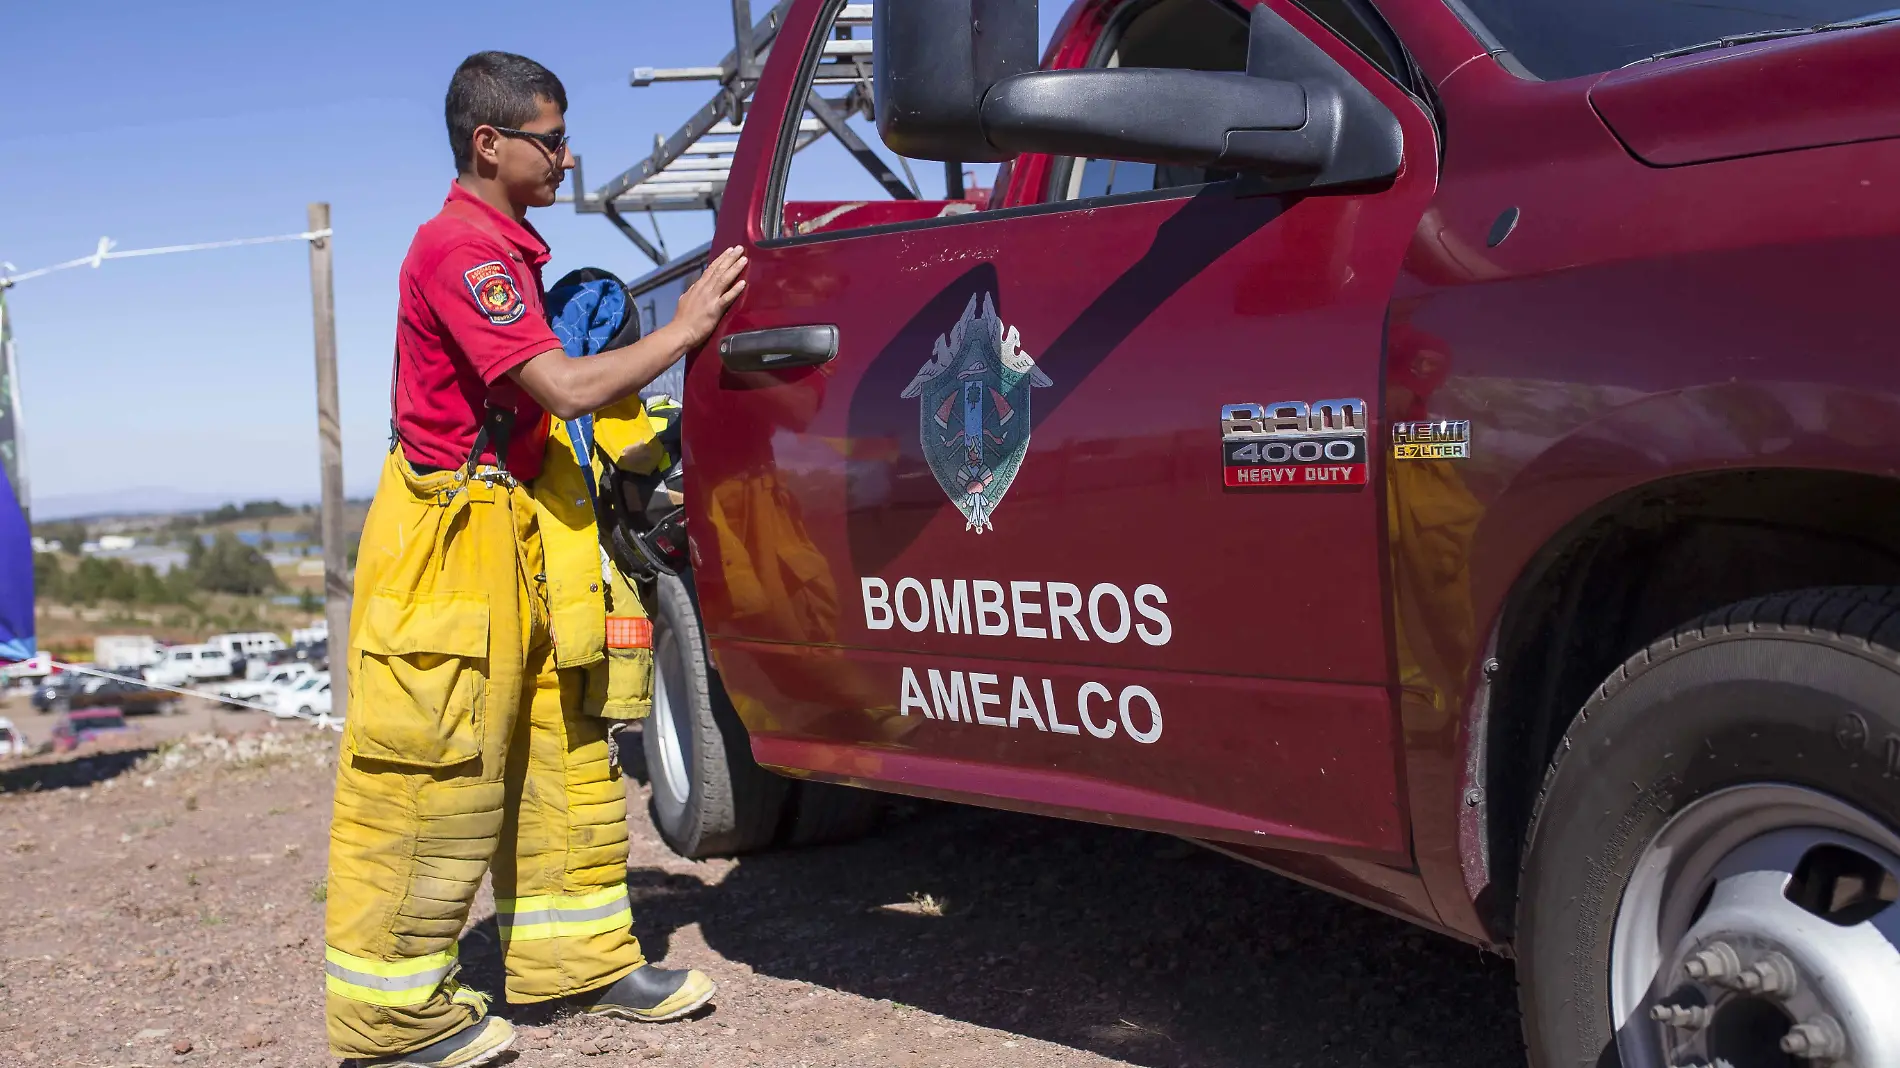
(145, 500)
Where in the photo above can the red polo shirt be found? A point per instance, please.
(472, 309)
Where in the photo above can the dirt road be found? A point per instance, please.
(164, 906)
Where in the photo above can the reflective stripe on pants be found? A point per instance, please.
(557, 915)
(400, 982)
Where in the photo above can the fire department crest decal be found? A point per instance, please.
(494, 291)
(973, 410)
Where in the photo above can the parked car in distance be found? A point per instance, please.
(299, 700)
(316, 704)
(317, 652)
(13, 741)
(75, 729)
(54, 688)
(279, 677)
(128, 697)
(186, 664)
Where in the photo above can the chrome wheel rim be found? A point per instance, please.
(672, 770)
(1760, 930)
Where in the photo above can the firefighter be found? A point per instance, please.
(475, 642)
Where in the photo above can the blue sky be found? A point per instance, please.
(160, 124)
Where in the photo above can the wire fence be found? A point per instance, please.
(106, 251)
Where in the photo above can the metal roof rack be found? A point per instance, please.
(688, 171)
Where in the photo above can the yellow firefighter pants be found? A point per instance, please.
(463, 747)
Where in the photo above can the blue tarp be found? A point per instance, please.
(16, 577)
(16, 540)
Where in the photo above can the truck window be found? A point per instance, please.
(833, 172)
(1553, 39)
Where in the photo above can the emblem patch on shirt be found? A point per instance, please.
(494, 291)
(973, 410)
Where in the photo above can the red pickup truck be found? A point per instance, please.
(1444, 451)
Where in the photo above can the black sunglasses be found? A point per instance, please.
(553, 142)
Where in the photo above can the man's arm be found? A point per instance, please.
(570, 387)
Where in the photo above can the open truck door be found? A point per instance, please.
(1072, 505)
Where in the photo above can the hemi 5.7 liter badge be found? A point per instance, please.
(1446, 439)
(1292, 443)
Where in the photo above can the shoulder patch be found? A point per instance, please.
(494, 291)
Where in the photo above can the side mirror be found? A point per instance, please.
(936, 61)
(1295, 116)
(1197, 118)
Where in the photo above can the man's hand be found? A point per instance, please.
(705, 302)
(571, 388)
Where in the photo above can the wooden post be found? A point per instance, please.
(336, 584)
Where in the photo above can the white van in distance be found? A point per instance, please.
(186, 664)
(254, 649)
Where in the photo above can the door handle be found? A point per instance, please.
(779, 347)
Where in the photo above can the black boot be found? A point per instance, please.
(651, 994)
(478, 1043)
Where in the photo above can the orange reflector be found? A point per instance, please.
(629, 632)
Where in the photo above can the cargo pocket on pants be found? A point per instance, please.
(421, 678)
(629, 668)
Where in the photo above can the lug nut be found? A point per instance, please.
(1716, 961)
(1773, 974)
(1687, 1017)
(1816, 1038)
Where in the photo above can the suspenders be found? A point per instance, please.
(498, 425)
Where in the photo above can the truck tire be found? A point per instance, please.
(709, 797)
(1713, 839)
(823, 813)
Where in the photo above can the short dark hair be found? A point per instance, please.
(496, 89)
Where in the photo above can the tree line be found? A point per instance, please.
(226, 565)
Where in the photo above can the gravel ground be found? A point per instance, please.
(162, 904)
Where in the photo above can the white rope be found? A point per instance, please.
(106, 252)
(78, 670)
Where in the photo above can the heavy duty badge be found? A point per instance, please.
(1446, 439)
(973, 412)
(1292, 443)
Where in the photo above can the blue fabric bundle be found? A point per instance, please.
(590, 313)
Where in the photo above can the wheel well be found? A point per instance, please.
(1632, 572)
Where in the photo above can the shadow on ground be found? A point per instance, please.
(71, 772)
(1132, 945)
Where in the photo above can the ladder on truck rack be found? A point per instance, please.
(688, 171)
